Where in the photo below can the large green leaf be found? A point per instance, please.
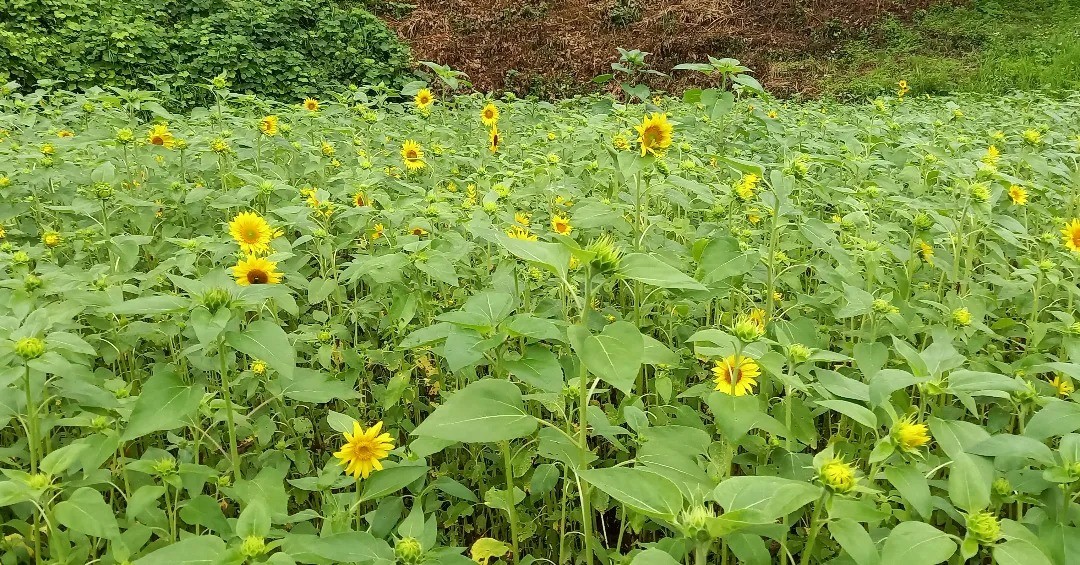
(970, 478)
(390, 480)
(539, 368)
(912, 486)
(265, 340)
(554, 256)
(916, 543)
(86, 512)
(1019, 552)
(1057, 418)
(485, 411)
(855, 540)
(345, 547)
(723, 258)
(615, 356)
(773, 497)
(654, 272)
(640, 490)
(197, 550)
(166, 402)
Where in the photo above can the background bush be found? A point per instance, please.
(285, 49)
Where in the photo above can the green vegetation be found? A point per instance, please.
(717, 330)
(985, 46)
(284, 49)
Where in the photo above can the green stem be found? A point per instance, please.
(508, 468)
(815, 528)
(31, 423)
(583, 427)
(234, 455)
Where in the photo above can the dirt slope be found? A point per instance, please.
(554, 47)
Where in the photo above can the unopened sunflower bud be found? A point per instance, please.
(165, 466)
(962, 316)
(104, 190)
(253, 546)
(984, 526)
(39, 481)
(408, 550)
(32, 282)
(799, 352)
(20, 258)
(922, 221)
(30, 348)
(606, 255)
(1002, 487)
(216, 298)
(838, 475)
(694, 523)
(747, 330)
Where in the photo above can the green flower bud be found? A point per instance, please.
(32, 282)
(30, 348)
(253, 546)
(216, 298)
(408, 550)
(694, 523)
(104, 190)
(39, 481)
(325, 336)
(20, 258)
(799, 352)
(606, 255)
(922, 221)
(962, 316)
(165, 466)
(984, 526)
(746, 330)
(1002, 487)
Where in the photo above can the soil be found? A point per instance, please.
(554, 48)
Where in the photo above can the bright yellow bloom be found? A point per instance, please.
(256, 270)
(746, 186)
(377, 231)
(736, 376)
(1064, 387)
(910, 436)
(64, 133)
(311, 105)
(654, 134)
(838, 475)
(757, 317)
(1032, 136)
(47, 149)
(518, 232)
(363, 450)
(926, 252)
(269, 125)
(251, 231)
(1071, 231)
(523, 218)
(258, 367)
(51, 239)
(620, 142)
(992, 155)
(418, 231)
(412, 155)
(424, 99)
(490, 114)
(359, 199)
(561, 225)
(1018, 195)
(494, 139)
(160, 135)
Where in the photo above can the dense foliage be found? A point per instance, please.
(280, 49)
(714, 330)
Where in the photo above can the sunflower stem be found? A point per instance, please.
(508, 467)
(234, 455)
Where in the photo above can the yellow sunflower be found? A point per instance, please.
(65, 133)
(490, 114)
(1018, 195)
(838, 475)
(1064, 387)
(418, 231)
(518, 232)
(251, 231)
(1071, 232)
(926, 252)
(493, 139)
(424, 99)
(523, 218)
(561, 225)
(256, 270)
(363, 450)
(160, 135)
(910, 436)
(311, 105)
(412, 155)
(377, 231)
(51, 239)
(654, 133)
(736, 375)
(269, 125)
(359, 199)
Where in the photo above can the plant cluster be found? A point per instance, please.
(470, 330)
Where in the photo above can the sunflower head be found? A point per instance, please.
(364, 450)
(424, 99)
(359, 199)
(161, 136)
(412, 155)
(311, 105)
(926, 252)
(909, 435)
(377, 231)
(251, 231)
(522, 218)
(520, 232)
(1062, 386)
(490, 114)
(1018, 195)
(1071, 233)
(417, 231)
(494, 138)
(736, 375)
(838, 475)
(561, 225)
(256, 270)
(654, 134)
(51, 239)
(269, 125)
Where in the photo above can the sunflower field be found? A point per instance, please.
(407, 327)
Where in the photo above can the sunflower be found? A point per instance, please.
(424, 99)
(1071, 232)
(523, 218)
(561, 225)
(418, 231)
(363, 450)
(377, 231)
(1018, 195)
(311, 105)
(160, 135)
(251, 231)
(269, 125)
(493, 139)
(838, 475)
(412, 155)
(926, 252)
(359, 199)
(51, 239)
(654, 133)
(736, 375)
(256, 270)
(1064, 387)
(518, 232)
(910, 436)
(65, 133)
(490, 114)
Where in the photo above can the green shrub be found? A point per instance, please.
(285, 49)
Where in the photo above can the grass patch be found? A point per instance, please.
(985, 46)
